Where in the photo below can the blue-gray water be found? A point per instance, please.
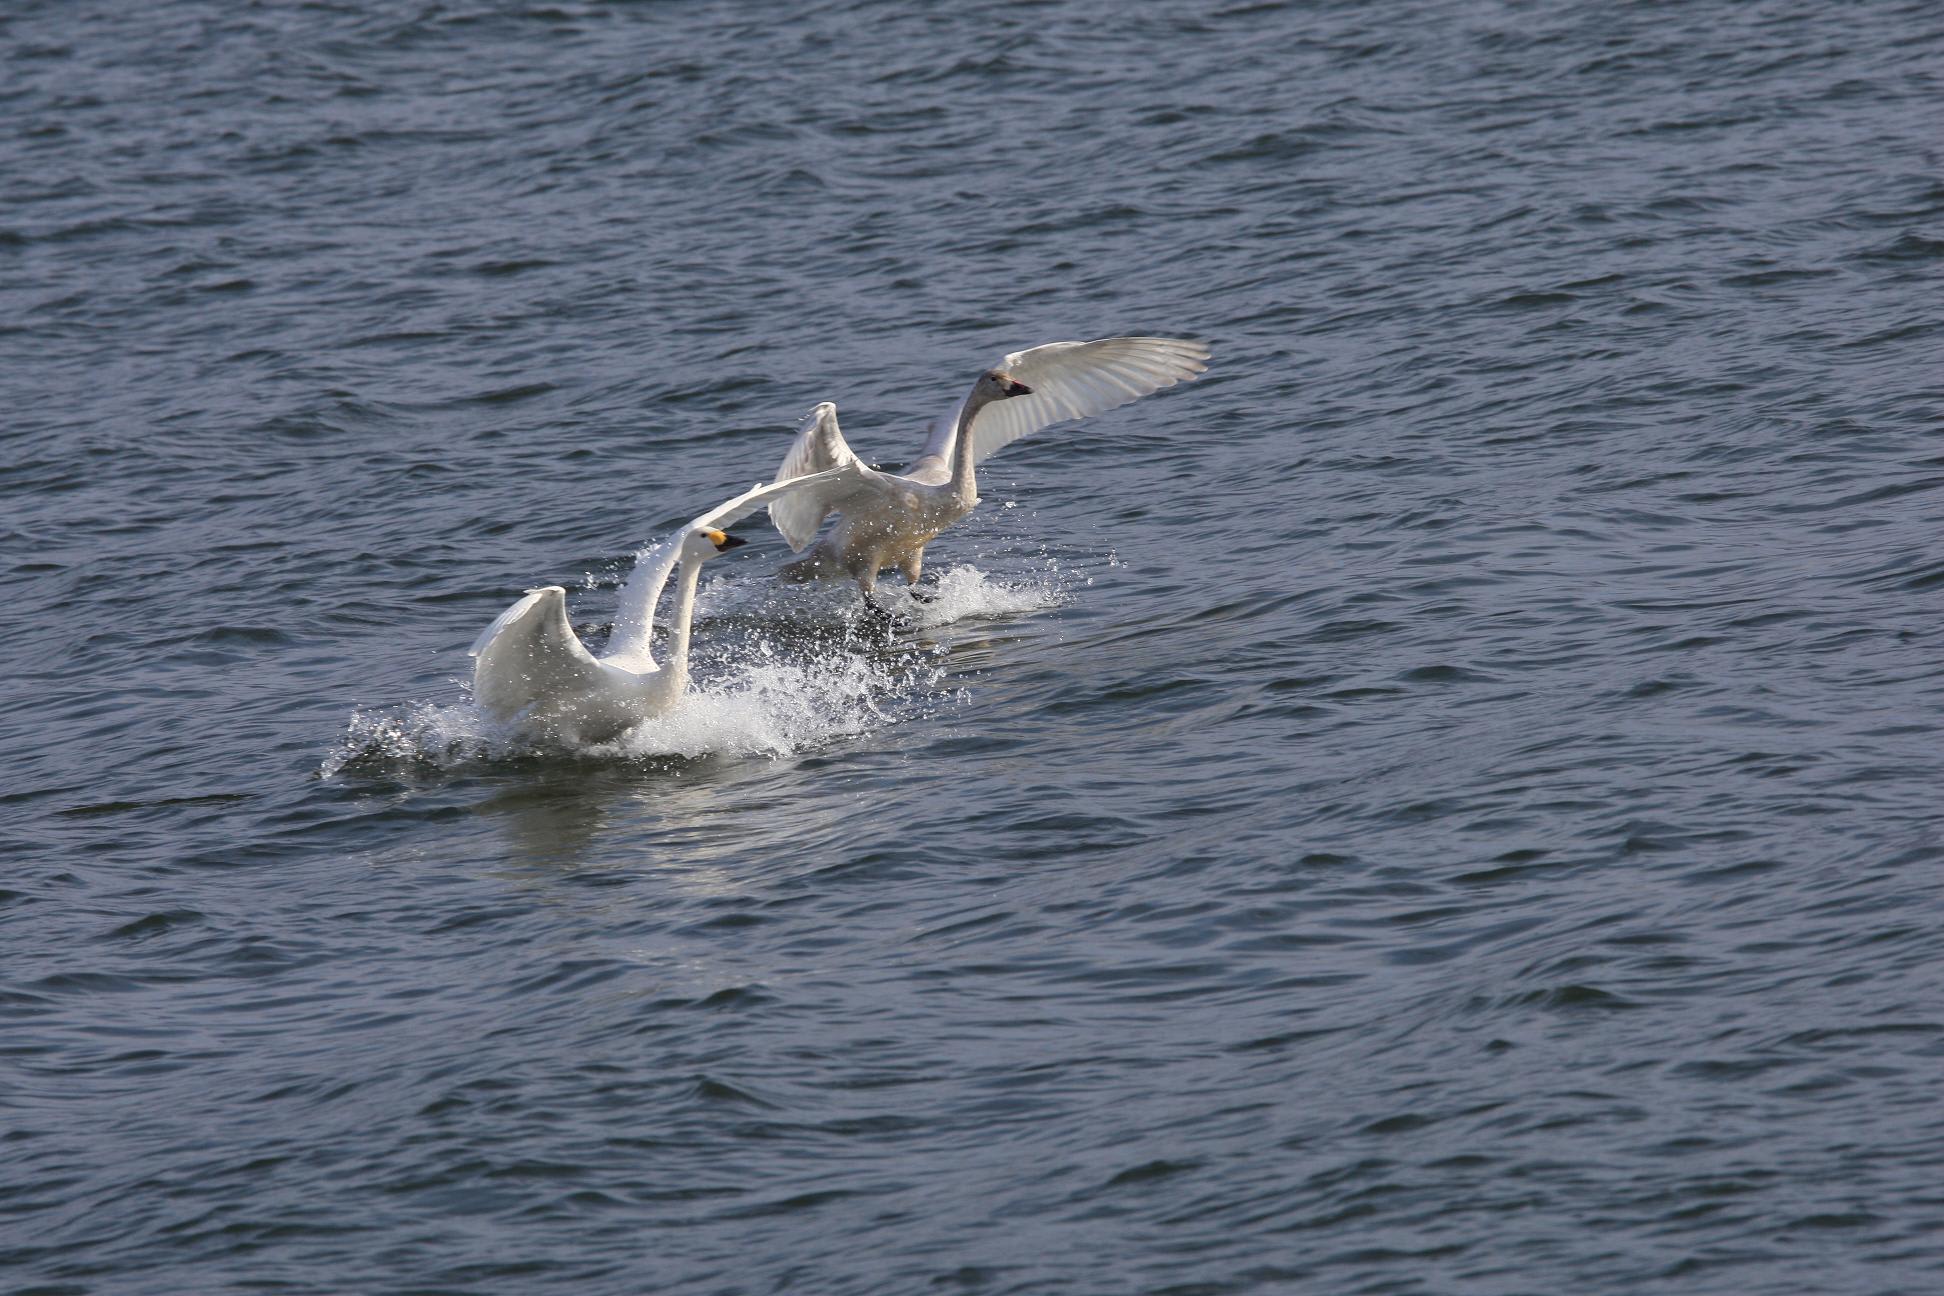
(1449, 803)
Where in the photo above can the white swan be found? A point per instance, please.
(532, 670)
(887, 519)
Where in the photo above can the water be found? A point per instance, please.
(1448, 803)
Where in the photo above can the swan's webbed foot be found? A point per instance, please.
(882, 620)
(916, 578)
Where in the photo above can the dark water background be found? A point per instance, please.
(1449, 803)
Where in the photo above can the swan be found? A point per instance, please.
(887, 519)
(532, 671)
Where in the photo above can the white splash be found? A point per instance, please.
(966, 593)
(778, 670)
(420, 732)
(770, 705)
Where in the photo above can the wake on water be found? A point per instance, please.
(775, 670)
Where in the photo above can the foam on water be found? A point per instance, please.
(966, 593)
(417, 732)
(771, 705)
(775, 706)
(768, 679)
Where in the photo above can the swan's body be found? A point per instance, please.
(887, 519)
(532, 670)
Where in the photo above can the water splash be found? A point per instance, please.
(966, 593)
(423, 733)
(774, 706)
(963, 593)
(768, 705)
(776, 670)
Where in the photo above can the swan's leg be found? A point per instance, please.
(913, 565)
(878, 615)
(864, 566)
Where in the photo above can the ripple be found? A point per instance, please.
(1448, 800)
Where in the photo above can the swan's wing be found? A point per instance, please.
(634, 614)
(819, 450)
(1072, 380)
(531, 652)
(819, 445)
(828, 482)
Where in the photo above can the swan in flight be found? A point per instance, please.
(532, 670)
(887, 519)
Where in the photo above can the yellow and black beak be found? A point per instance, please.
(724, 542)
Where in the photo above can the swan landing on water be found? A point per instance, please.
(887, 519)
(533, 672)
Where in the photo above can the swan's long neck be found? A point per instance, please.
(675, 670)
(964, 489)
(634, 612)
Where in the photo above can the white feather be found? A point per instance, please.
(890, 518)
(531, 652)
(819, 448)
(1072, 380)
(1069, 380)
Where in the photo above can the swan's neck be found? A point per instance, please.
(964, 489)
(674, 681)
(634, 612)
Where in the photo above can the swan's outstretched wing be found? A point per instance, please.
(1071, 380)
(819, 445)
(781, 491)
(819, 449)
(531, 652)
(634, 614)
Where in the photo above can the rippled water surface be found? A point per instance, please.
(1447, 803)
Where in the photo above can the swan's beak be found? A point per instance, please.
(729, 542)
(1016, 388)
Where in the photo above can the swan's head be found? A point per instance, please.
(997, 384)
(704, 543)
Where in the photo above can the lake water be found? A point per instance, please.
(1449, 803)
